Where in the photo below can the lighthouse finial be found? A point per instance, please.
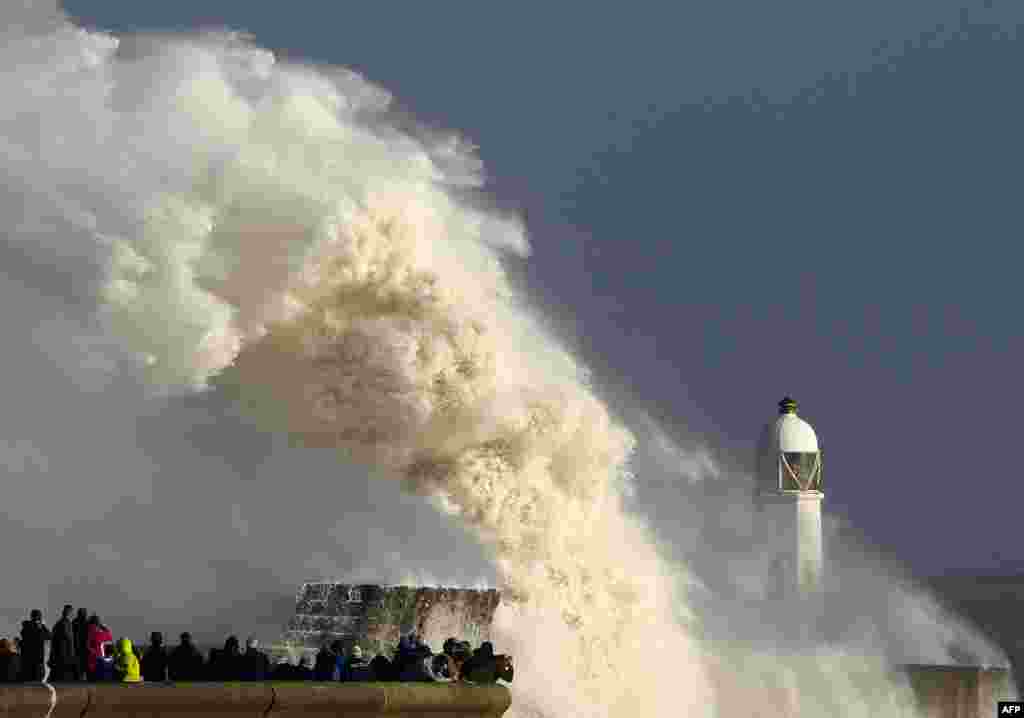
(787, 406)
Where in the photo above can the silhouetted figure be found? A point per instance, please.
(185, 662)
(457, 652)
(304, 671)
(155, 659)
(327, 666)
(480, 667)
(381, 668)
(417, 662)
(283, 671)
(10, 662)
(97, 642)
(34, 635)
(486, 667)
(338, 648)
(214, 666)
(463, 652)
(225, 664)
(80, 629)
(448, 670)
(255, 664)
(63, 662)
(356, 668)
(404, 655)
(231, 659)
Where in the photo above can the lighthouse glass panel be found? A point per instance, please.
(801, 471)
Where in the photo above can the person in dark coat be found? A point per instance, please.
(481, 667)
(449, 645)
(80, 630)
(154, 660)
(185, 662)
(457, 653)
(418, 663)
(255, 664)
(213, 667)
(356, 668)
(225, 664)
(380, 666)
(303, 671)
(326, 667)
(34, 635)
(10, 662)
(231, 659)
(63, 659)
(403, 655)
(486, 667)
(283, 671)
(462, 653)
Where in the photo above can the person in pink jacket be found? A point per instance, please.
(98, 635)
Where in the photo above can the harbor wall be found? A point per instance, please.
(256, 700)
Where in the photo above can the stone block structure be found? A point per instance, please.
(375, 616)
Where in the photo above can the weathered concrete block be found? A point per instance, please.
(61, 700)
(402, 700)
(25, 701)
(374, 616)
(166, 700)
(72, 700)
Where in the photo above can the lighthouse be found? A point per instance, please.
(789, 494)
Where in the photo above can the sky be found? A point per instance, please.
(726, 204)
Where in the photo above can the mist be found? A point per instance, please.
(230, 288)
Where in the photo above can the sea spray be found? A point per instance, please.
(268, 230)
(323, 270)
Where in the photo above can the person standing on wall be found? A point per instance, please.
(154, 660)
(99, 637)
(34, 635)
(126, 663)
(185, 662)
(80, 629)
(63, 659)
(255, 664)
(10, 662)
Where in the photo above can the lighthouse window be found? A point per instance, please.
(801, 471)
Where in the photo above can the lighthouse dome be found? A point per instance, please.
(789, 433)
(793, 434)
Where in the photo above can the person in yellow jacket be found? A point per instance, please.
(126, 665)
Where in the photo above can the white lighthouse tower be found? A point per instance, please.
(789, 493)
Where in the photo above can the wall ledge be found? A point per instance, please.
(269, 699)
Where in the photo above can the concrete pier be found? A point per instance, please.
(940, 692)
(258, 700)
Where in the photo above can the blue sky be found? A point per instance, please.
(729, 203)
